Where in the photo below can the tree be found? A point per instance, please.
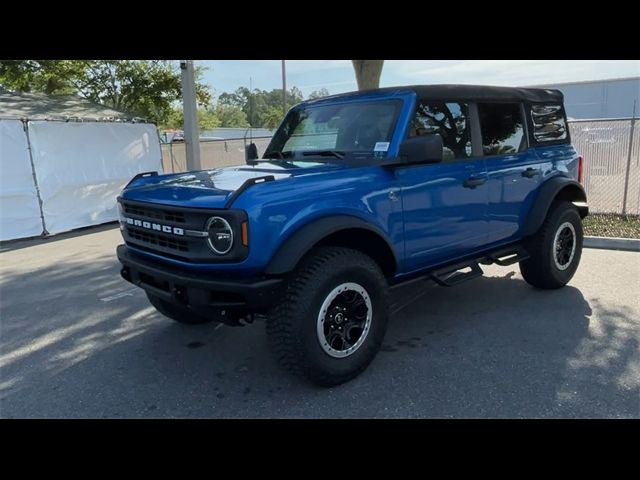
(236, 99)
(144, 88)
(207, 119)
(271, 117)
(323, 92)
(260, 105)
(174, 120)
(231, 116)
(46, 76)
(368, 73)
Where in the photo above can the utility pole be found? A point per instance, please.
(284, 90)
(190, 110)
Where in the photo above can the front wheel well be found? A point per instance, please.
(367, 242)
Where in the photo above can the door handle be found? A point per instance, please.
(531, 172)
(473, 182)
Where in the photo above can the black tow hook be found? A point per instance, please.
(126, 274)
(236, 321)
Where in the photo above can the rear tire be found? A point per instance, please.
(332, 319)
(556, 248)
(177, 313)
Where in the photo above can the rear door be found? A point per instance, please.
(444, 204)
(514, 171)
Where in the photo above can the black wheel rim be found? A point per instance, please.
(344, 320)
(564, 245)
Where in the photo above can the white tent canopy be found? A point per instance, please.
(68, 174)
(19, 207)
(82, 168)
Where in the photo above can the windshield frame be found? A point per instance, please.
(398, 127)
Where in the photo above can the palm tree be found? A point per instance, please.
(368, 73)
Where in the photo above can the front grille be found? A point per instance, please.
(154, 213)
(164, 230)
(163, 241)
(148, 235)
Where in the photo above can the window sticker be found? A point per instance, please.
(381, 147)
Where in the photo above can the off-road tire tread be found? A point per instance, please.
(280, 321)
(536, 270)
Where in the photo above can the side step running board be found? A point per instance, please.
(451, 276)
(505, 257)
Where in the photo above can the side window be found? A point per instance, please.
(549, 124)
(450, 121)
(502, 128)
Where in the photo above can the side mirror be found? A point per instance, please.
(424, 149)
(251, 153)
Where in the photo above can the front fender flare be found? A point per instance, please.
(299, 243)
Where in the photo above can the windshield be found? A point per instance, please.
(335, 130)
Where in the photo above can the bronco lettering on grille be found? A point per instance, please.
(154, 226)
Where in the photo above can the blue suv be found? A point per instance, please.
(356, 193)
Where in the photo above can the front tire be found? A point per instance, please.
(333, 317)
(177, 313)
(555, 250)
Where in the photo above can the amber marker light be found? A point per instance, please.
(245, 234)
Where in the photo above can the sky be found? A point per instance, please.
(337, 76)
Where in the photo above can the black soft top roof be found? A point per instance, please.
(474, 92)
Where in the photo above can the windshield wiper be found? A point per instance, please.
(325, 153)
(276, 154)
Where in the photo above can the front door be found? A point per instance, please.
(445, 204)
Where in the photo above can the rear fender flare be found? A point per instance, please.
(555, 188)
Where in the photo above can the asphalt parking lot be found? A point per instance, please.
(77, 341)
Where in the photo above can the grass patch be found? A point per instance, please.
(612, 225)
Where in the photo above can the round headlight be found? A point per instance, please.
(220, 235)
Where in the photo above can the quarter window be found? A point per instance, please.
(450, 121)
(502, 128)
(548, 122)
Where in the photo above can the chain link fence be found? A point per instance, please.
(213, 153)
(611, 151)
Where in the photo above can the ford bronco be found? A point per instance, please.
(357, 193)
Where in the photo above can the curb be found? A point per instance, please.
(627, 244)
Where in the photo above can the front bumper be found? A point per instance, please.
(225, 299)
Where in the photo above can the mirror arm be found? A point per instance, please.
(392, 162)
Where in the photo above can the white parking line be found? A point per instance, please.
(127, 293)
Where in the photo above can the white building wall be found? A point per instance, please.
(600, 98)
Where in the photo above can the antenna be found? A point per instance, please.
(250, 110)
(251, 152)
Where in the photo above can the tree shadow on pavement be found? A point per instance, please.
(496, 347)
(78, 341)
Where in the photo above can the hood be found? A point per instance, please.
(212, 188)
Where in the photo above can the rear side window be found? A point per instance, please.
(549, 124)
(502, 129)
(450, 121)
